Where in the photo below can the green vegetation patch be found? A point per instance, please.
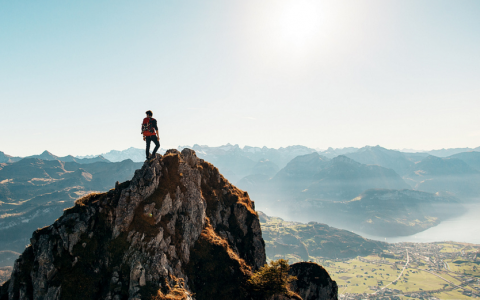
(313, 241)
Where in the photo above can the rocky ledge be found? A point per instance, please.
(177, 230)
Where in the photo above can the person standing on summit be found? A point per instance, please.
(150, 133)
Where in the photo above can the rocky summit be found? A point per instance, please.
(177, 230)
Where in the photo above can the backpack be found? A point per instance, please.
(147, 125)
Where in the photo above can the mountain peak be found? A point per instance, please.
(161, 228)
(177, 225)
(47, 153)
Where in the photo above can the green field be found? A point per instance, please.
(423, 273)
(445, 270)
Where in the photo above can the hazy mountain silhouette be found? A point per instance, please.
(415, 156)
(436, 166)
(280, 156)
(450, 151)
(5, 158)
(331, 152)
(236, 163)
(313, 176)
(471, 158)
(69, 158)
(135, 154)
(233, 162)
(265, 167)
(344, 178)
(260, 174)
(452, 175)
(380, 156)
(298, 174)
(314, 188)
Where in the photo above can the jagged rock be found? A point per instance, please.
(177, 226)
(313, 282)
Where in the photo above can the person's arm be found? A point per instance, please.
(156, 130)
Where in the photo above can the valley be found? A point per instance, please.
(368, 269)
(445, 270)
(372, 191)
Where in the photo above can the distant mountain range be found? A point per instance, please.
(134, 154)
(313, 176)
(392, 159)
(451, 151)
(232, 161)
(4, 158)
(471, 158)
(331, 153)
(343, 179)
(49, 156)
(252, 167)
(313, 187)
(294, 181)
(236, 162)
(452, 175)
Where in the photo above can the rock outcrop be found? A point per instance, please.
(177, 230)
(313, 282)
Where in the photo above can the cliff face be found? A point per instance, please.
(177, 230)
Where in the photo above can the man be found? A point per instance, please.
(150, 133)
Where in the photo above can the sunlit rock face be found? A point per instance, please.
(146, 235)
(177, 229)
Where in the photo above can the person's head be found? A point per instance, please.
(149, 113)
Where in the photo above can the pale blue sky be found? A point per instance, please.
(77, 76)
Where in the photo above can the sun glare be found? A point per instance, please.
(291, 30)
(298, 22)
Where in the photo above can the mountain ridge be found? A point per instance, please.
(178, 223)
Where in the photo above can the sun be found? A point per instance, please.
(298, 22)
(290, 30)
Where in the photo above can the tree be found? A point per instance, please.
(273, 279)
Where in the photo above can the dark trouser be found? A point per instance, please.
(152, 138)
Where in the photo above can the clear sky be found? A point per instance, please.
(76, 77)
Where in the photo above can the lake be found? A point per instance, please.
(465, 229)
